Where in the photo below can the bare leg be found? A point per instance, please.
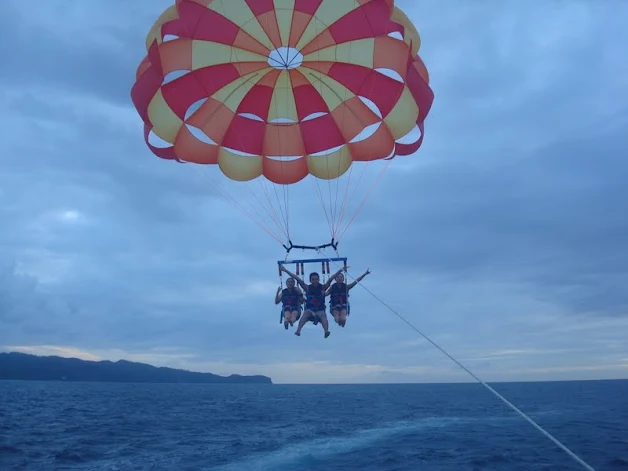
(304, 318)
(342, 317)
(324, 323)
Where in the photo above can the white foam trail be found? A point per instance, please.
(321, 448)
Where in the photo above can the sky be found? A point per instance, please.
(504, 238)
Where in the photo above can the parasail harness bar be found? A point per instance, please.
(333, 244)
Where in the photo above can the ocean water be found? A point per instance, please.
(136, 427)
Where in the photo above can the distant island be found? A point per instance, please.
(21, 366)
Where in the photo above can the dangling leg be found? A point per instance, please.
(342, 317)
(306, 317)
(293, 317)
(322, 316)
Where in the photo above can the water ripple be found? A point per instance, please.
(116, 427)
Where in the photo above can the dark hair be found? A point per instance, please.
(313, 274)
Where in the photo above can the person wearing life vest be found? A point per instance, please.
(339, 297)
(291, 298)
(314, 300)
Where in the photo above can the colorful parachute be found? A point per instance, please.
(283, 89)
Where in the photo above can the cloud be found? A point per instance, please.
(549, 221)
(503, 238)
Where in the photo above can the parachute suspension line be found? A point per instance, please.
(320, 197)
(274, 216)
(278, 227)
(368, 194)
(259, 220)
(283, 208)
(343, 206)
(285, 211)
(286, 198)
(575, 457)
(355, 189)
(233, 201)
(264, 188)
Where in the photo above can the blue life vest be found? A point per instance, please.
(338, 295)
(290, 298)
(315, 299)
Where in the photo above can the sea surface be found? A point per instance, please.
(136, 427)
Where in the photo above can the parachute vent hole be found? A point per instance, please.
(285, 58)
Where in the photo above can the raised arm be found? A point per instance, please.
(358, 279)
(278, 296)
(299, 280)
(332, 278)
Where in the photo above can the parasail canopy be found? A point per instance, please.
(279, 91)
